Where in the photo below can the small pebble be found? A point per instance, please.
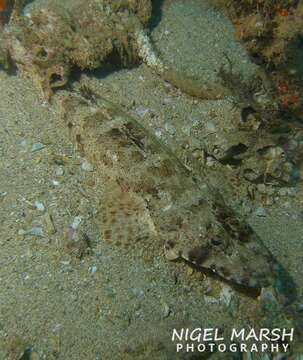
(65, 262)
(36, 231)
(2, 195)
(210, 127)
(37, 147)
(261, 212)
(138, 292)
(39, 206)
(76, 222)
(59, 171)
(86, 166)
(23, 143)
(159, 132)
(210, 161)
(166, 310)
(93, 269)
(141, 111)
(210, 300)
(167, 100)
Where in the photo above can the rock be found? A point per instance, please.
(195, 27)
(226, 295)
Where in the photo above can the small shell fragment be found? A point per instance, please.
(35, 231)
(49, 223)
(76, 222)
(39, 206)
(37, 147)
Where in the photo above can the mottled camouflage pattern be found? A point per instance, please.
(167, 204)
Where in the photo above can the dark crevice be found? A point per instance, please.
(231, 156)
(156, 13)
(55, 78)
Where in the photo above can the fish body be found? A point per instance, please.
(152, 201)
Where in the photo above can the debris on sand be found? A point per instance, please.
(49, 42)
(35, 231)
